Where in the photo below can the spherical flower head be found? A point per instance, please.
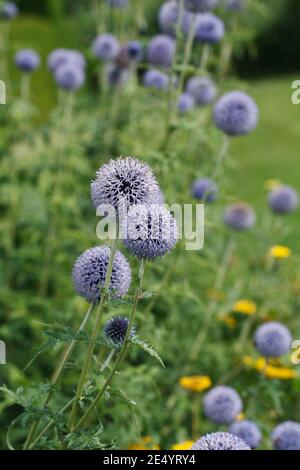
(168, 17)
(161, 51)
(156, 79)
(284, 200)
(60, 57)
(202, 89)
(220, 441)
(115, 331)
(117, 3)
(135, 51)
(205, 189)
(116, 75)
(150, 232)
(222, 404)
(239, 216)
(248, 432)
(9, 11)
(273, 339)
(234, 5)
(209, 28)
(69, 77)
(186, 102)
(125, 181)
(89, 273)
(27, 60)
(106, 47)
(236, 113)
(200, 6)
(286, 436)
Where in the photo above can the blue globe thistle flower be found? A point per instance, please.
(168, 17)
(161, 50)
(27, 60)
(222, 404)
(116, 75)
(135, 51)
(69, 77)
(205, 189)
(286, 436)
(236, 113)
(117, 3)
(234, 5)
(124, 181)
(160, 200)
(200, 6)
(115, 331)
(60, 57)
(156, 79)
(284, 200)
(239, 216)
(220, 441)
(106, 47)
(186, 102)
(248, 432)
(209, 28)
(90, 270)
(9, 11)
(202, 89)
(273, 339)
(150, 231)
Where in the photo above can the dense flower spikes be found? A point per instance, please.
(106, 47)
(150, 232)
(9, 11)
(286, 436)
(239, 216)
(209, 28)
(156, 79)
(60, 57)
(236, 113)
(200, 6)
(27, 60)
(273, 339)
(202, 89)
(205, 189)
(161, 51)
(89, 273)
(125, 181)
(284, 200)
(220, 441)
(248, 432)
(69, 77)
(222, 404)
(115, 331)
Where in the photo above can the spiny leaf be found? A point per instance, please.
(147, 347)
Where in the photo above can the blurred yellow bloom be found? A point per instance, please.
(270, 185)
(228, 319)
(280, 252)
(247, 307)
(215, 294)
(240, 417)
(146, 443)
(196, 383)
(186, 445)
(269, 370)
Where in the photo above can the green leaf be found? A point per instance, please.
(147, 347)
(51, 343)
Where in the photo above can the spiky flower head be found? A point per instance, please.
(248, 431)
(89, 273)
(124, 182)
(161, 50)
(60, 57)
(235, 5)
(203, 90)
(209, 28)
(200, 6)
(220, 441)
(150, 232)
(9, 11)
(106, 47)
(273, 339)
(239, 216)
(27, 60)
(115, 331)
(205, 189)
(186, 102)
(69, 77)
(284, 200)
(222, 404)
(286, 436)
(156, 79)
(236, 113)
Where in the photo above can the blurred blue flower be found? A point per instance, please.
(200, 6)
(60, 57)
(286, 436)
(239, 216)
(106, 47)
(203, 90)
(156, 79)
(161, 50)
(9, 10)
(69, 77)
(273, 339)
(209, 28)
(284, 200)
(248, 431)
(186, 102)
(27, 60)
(205, 189)
(220, 441)
(222, 404)
(234, 5)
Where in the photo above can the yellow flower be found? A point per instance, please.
(186, 445)
(247, 307)
(280, 252)
(240, 417)
(146, 443)
(196, 383)
(282, 373)
(228, 319)
(270, 185)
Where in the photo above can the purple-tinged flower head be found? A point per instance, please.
(220, 441)
(106, 47)
(117, 3)
(239, 216)
(200, 6)
(161, 50)
(235, 5)
(27, 60)
(286, 436)
(284, 200)
(205, 189)
(168, 17)
(209, 28)
(116, 75)
(273, 339)
(202, 89)
(222, 404)
(248, 431)
(236, 113)
(115, 331)
(160, 200)
(156, 79)
(69, 77)
(9, 11)
(60, 57)
(125, 181)
(150, 231)
(89, 273)
(135, 51)
(186, 102)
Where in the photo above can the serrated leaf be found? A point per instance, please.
(148, 348)
(45, 347)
